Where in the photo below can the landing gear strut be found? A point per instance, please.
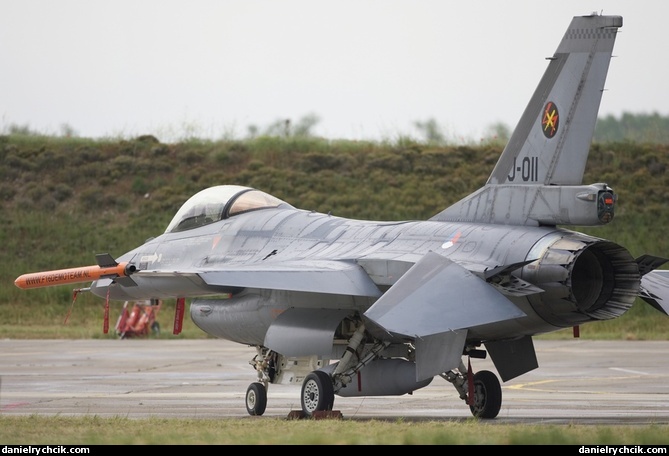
(256, 394)
(484, 397)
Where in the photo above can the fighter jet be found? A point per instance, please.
(375, 308)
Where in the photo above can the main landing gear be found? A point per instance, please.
(481, 391)
(317, 393)
(487, 399)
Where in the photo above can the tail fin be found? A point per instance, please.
(549, 147)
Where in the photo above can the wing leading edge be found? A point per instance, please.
(331, 277)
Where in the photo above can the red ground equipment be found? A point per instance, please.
(139, 320)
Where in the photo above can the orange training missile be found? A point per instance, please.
(72, 275)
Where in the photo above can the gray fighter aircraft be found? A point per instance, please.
(368, 308)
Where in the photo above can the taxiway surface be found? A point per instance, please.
(578, 381)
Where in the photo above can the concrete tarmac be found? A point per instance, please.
(577, 382)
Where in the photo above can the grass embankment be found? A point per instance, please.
(65, 200)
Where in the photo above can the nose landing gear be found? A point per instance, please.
(256, 399)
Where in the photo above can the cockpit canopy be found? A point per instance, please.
(220, 202)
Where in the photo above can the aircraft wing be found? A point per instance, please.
(335, 277)
(439, 296)
(330, 277)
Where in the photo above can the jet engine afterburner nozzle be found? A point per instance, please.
(584, 279)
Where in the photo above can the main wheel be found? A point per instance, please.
(317, 393)
(256, 399)
(487, 395)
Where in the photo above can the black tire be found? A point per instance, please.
(487, 395)
(256, 399)
(317, 393)
(155, 327)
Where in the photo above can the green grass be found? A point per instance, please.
(270, 431)
(83, 318)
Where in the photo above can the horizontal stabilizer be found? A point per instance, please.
(655, 290)
(435, 296)
(649, 263)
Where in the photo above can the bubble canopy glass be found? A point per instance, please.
(220, 202)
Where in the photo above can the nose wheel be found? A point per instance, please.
(256, 399)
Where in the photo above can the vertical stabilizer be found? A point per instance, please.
(550, 144)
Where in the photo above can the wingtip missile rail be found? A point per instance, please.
(73, 275)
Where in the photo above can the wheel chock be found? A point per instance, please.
(321, 415)
(328, 415)
(296, 415)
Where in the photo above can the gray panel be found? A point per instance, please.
(439, 353)
(304, 332)
(512, 357)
